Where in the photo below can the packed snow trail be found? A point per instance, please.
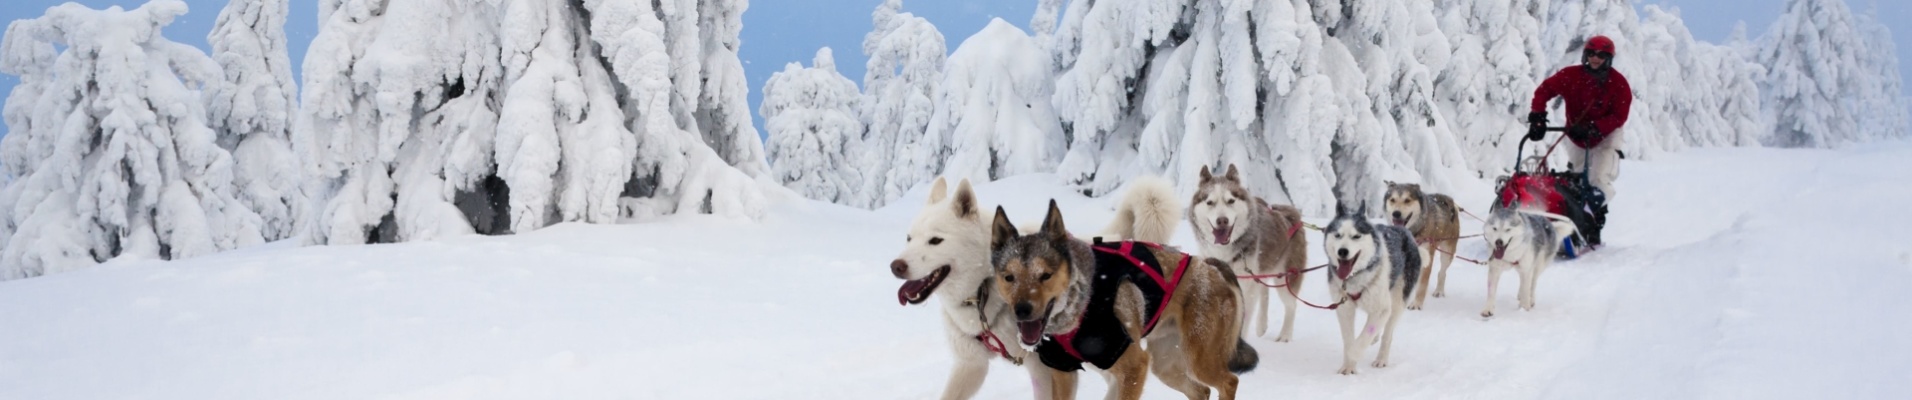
(1731, 273)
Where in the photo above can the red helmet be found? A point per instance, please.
(1600, 44)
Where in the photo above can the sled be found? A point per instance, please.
(1563, 192)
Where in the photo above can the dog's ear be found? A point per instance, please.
(965, 203)
(1363, 211)
(938, 190)
(1206, 176)
(1340, 209)
(1001, 231)
(1233, 175)
(1389, 183)
(1052, 224)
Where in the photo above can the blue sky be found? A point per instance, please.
(777, 32)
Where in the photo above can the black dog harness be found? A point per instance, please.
(1099, 337)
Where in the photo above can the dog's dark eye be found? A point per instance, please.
(1044, 277)
(1009, 278)
(935, 241)
(906, 238)
(1211, 203)
(1231, 202)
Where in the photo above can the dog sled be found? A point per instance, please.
(1535, 186)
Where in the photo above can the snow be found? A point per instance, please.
(1748, 272)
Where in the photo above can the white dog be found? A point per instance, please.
(947, 255)
(1523, 241)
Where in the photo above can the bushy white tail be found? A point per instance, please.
(1148, 212)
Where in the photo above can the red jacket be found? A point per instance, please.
(1605, 105)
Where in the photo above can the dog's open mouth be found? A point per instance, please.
(917, 290)
(1500, 250)
(1222, 231)
(1344, 267)
(1400, 221)
(1031, 331)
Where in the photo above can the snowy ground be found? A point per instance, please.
(1732, 273)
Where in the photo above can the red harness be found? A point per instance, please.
(1168, 285)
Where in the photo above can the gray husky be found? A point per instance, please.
(1436, 221)
(1525, 242)
(1375, 268)
(1255, 237)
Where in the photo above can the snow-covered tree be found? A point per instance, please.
(1491, 76)
(1823, 85)
(521, 114)
(252, 110)
(1884, 112)
(1401, 49)
(995, 107)
(815, 135)
(906, 59)
(1317, 101)
(110, 153)
(1174, 87)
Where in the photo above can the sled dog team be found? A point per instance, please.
(1050, 301)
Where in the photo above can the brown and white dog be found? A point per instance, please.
(1077, 302)
(1435, 222)
(1256, 238)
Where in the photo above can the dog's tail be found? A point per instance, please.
(1245, 358)
(1148, 212)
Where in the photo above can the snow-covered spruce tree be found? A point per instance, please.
(1173, 87)
(995, 107)
(251, 112)
(1491, 76)
(1400, 49)
(1817, 81)
(1884, 109)
(522, 114)
(110, 154)
(815, 136)
(906, 59)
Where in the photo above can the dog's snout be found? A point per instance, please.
(1023, 309)
(900, 268)
(1397, 214)
(1342, 252)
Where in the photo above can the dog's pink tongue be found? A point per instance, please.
(909, 289)
(1500, 249)
(1030, 331)
(1345, 267)
(1221, 234)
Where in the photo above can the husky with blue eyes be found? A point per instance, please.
(1375, 268)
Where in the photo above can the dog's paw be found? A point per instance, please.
(1348, 370)
(1440, 294)
(1486, 314)
(1415, 306)
(1381, 363)
(1284, 338)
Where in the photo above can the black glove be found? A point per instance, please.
(1580, 133)
(1536, 126)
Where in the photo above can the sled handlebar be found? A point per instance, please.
(1521, 149)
